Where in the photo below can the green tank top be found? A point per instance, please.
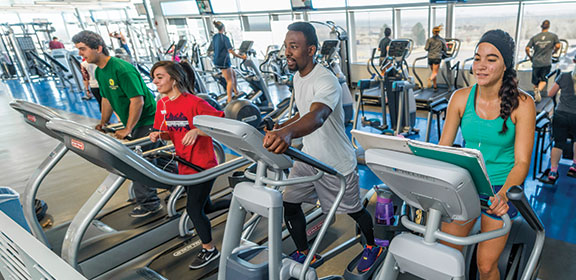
(484, 135)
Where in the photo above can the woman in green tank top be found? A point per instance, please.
(497, 119)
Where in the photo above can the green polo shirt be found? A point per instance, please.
(119, 81)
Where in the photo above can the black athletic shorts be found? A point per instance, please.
(432, 61)
(563, 126)
(539, 74)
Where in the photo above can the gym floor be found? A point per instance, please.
(74, 179)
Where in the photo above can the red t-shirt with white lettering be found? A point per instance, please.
(175, 117)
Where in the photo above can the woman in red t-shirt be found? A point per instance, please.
(174, 114)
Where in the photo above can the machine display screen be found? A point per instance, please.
(245, 46)
(328, 47)
(398, 48)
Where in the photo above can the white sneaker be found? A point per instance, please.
(537, 96)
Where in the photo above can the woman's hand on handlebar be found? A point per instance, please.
(498, 205)
(154, 136)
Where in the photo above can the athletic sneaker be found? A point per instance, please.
(301, 257)
(139, 211)
(537, 96)
(369, 256)
(204, 258)
(572, 168)
(552, 176)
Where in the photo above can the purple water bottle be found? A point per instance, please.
(384, 207)
(384, 213)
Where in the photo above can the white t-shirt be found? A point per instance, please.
(91, 68)
(329, 143)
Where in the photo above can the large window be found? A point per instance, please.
(322, 31)
(178, 8)
(473, 21)
(262, 6)
(356, 3)
(319, 4)
(224, 6)
(562, 22)
(414, 25)
(263, 39)
(369, 27)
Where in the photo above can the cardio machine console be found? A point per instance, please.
(245, 47)
(398, 49)
(329, 47)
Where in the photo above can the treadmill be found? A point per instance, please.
(426, 96)
(116, 224)
(94, 247)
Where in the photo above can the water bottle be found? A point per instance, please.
(138, 150)
(384, 207)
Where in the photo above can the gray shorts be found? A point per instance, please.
(324, 190)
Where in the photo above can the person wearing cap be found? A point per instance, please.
(497, 119)
(544, 45)
(564, 121)
(435, 46)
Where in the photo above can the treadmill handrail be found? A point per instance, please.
(29, 107)
(414, 69)
(42, 61)
(56, 62)
(127, 156)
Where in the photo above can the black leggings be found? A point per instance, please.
(199, 204)
(296, 224)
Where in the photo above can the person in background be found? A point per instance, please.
(90, 83)
(55, 44)
(384, 45)
(544, 45)
(122, 41)
(436, 47)
(222, 50)
(564, 121)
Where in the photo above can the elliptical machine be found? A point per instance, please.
(260, 262)
(329, 57)
(396, 88)
(445, 182)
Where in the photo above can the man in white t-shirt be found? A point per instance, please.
(320, 122)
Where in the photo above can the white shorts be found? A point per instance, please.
(326, 189)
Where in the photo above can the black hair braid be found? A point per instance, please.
(509, 96)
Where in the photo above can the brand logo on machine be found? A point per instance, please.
(314, 229)
(113, 85)
(186, 248)
(31, 118)
(250, 118)
(77, 144)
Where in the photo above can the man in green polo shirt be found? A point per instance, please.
(124, 92)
